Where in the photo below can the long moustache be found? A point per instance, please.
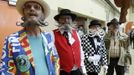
(25, 23)
(99, 33)
(67, 27)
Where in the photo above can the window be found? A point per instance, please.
(12, 2)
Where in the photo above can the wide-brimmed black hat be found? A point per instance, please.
(94, 22)
(114, 21)
(65, 12)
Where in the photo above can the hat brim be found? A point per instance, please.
(73, 16)
(45, 6)
(95, 24)
(111, 23)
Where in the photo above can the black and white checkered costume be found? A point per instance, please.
(90, 49)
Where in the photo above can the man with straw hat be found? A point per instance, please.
(30, 51)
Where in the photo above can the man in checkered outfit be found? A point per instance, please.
(94, 49)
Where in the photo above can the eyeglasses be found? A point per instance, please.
(32, 5)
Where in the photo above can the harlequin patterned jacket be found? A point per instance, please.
(89, 49)
(17, 46)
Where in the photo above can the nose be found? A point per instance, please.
(32, 8)
(66, 20)
(96, 28)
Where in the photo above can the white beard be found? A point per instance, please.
(66, 27)
(100, 33)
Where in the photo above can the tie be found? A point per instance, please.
(66, 36)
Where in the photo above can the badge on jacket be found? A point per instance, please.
(23, 64)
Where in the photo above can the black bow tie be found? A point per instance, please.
(96, 37)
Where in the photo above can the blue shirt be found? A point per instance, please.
(37, 47)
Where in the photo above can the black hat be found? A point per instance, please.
(114, 21)
(94, 22)
(109, 23)
(65, 12)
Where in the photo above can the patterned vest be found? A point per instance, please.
(69, 54)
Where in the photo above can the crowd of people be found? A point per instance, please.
(32, 51)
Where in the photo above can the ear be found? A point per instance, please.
(42, 17)
(23, 18)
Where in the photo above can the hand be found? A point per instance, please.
(127, 69)
(97, 57)
(91, 58)
(84, 74)
(105, 67)
(94, 58)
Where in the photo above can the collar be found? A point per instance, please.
(62, 31)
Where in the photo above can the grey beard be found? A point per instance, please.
(32, 22)
(65, 27)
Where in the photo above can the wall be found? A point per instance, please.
(91, 8)
(131, 14)
(8, 18)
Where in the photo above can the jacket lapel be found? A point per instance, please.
(25, 44)
(92, 42)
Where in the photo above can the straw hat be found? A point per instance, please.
(44, 5)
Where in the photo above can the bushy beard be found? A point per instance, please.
(31, 24)
(65, 27)
(113, 33)
(98, 33)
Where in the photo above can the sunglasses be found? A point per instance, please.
(32, 5)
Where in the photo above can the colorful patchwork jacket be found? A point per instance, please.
(17, 45)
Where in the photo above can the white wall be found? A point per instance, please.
(92, 8)
(131, 14)
(98, 9)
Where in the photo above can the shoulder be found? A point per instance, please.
(17, 33)
(46, 33)
(14, 35)
(123, 35)
(85, 36)
(107, 35)
(48, 36)
(55, 30)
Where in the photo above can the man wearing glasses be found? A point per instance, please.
(30, 51)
